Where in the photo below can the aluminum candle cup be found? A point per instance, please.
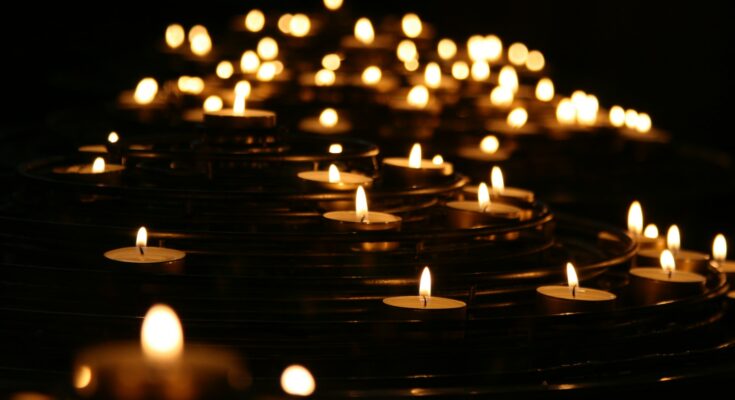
(375, 221)
(249, 119)
(147, 258)
(97, 172)
(653, 285)
(414, 171)
(686, 260)
(508, 193)
(321, 180)
(468, 214)
(561, 300)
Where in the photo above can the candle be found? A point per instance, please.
(159, 367)
(296, 380)
(686, 260)
(113, 145)
(470, 214)
(414, 170)
(333, 179)
(719, 255)
(329, 122)
(426, 307)
(573, 298)
(362, 219)
(500, 191)
(648, 239)
(487, 150)
(97, 172)
(238, 117)
(653, 285)
(147, 257)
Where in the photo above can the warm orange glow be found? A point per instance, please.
(146, 91)
(489, 144)
(333, 5)
(364, 31)
(673, 239)
(411, 65)
(324, 77)
(297, 380)
(668, 263)
(437, 160)
(631, 119)
(635, 218)
(566, 113)
(483, 197)
(643, 124)
(617, 116)
(418, 96)
(266, 71)
(113, 137)
(545, 89)
(284, 23)
(335, 148)
(98, 166)
(446, 49)
(480, 70)
(587, 109)
(141, 239)
(476, 48)
(190, 84)
(414, 158)
(175, 36)
(161, 336)
(225, 70)
(328, 118)
(331, 61)
(199, 40)
(425, 283)
(719, 248)
(249, 62)
(267, 48)
(372, 75)
(406, 50)
(496, 180)
(277, 66)
(334, 175)
(411, 25)
(518, 53)
(361, 205)
(299, 25)
(433, 75)
(493, 48)
(213, 103)
(508, 78)
(242, 92)
(572, 279)
(517, 118)
(254, 21)
(536, 61)
(651, 231)
(501, 96)
(460, 70)
(82, 377)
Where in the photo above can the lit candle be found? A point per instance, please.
(414, 170)
(650, 285)
(112, 146)
(329, 122)
(470, 214)
(362, 219)
(333, 179)
(573, 298)
(159, 366)
(296, 380)
(426, 307)
(719, 256)
(500, 191)
(148, 257)
(238, 117)
(648, 239)
(686, 260)
(97, 172)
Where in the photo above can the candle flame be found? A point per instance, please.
(572, 279)
(141, 239)
(113, 137)
(296, 380)
(545, 89)
(267, 48)
(489, 144)
(631, 118)
(414, 158)
(518, 53)
(284, 23)
(249, 62)
(98, 166)
(411, 25)
(433, 75)
(644, 123)
(406, 51)
(493, 48)
(719, 248)
(335, 148)
(82, 377)
(418, 96)
(175, 36)
(668, 263)
(517, 118)
(254, 20)
(364, 31)
(331, 61)
(651, 231)
(617, 116)
(325, 77)
(299, 25)
(333, 5)
(411, 65)
(446, 48)
(483, 197)
(425, 283)
(328, 118)
(476, 47)
(460, 70)
(267, 71)
(437, 160)
(224, 69)
(190, 84)
(535, 61)
(635, 218)
(372, 75)
(199, 40)
(508, 78)
(146, 91)
(242, 92)
(673, 239)
(361, 205)
(161, 335)
(480, 70)
(566, 113)
(334, 175)
(496, 180)
(213, 103)
(501, 96)
(587, 108)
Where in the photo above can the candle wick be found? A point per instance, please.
(670, 271)
(142, 252)
(574, 291)
(363, 219)
(425, 301)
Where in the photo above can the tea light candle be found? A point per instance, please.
(238, 117)
(719, 255)
(500, 191)
(159, 366)
(469, 214)
(146, 256)
(113, 145)
(98, 172)
(414, 170)
(648, 239)
(426, 307)
(686, 260)
(654, 285)
(329, 122)
(333, 179)
(573, 298)
(362, 219)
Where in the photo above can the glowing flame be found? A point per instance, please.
(299, 25)
(501, 96)
(364, 31)
(82, 377)
(335, 148)
(433, 75)
(161, 336)
(483, 196)
(446, 49)
(437, 160)
(328, 118)
(631, 119)
(213, 103)
(566, 113)
(518, 53)
(673, 239)
(372, 75)
(361, 205)
(535, 61)
(617, 116)
(578, 98)
(334, 175)
(489, 144)
(635, 218)
(242, 92)
(331, 62)
(517, 117)
(146, 91)
(460, 70)
(668, 263)
(425, 283)
(267, 48)
(249, 62)
(411, 65)
(414, 158)
(480, 70)
(545, 89)
(406, 51)
(411, 25)
(493, 48)
(572, 279)
(496, 180)
(98, 166)
(719, 248)
(508, 78)
(476, 48)
(141, 239)
(113, 137)
(225, 70)
(199, 40)
(643, 124)
(587, 109)
(277, 66)
(333, 5)
(324, 77)
(297, 380)
(418, 96)
(284, 23)
(266, 71)
(175, 36)
(254, 21)
(651, 231)
(190, 84)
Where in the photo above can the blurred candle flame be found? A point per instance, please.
(335, 148)
(406, 51)
(446, 48)
(425, 283)
(501, 96)
(254, 20)
(242, 92)
(224, 70)
(249, 62)
(411, 25)
(545, 89)
(617, 116)
(175, 36)
(480, 70)
(673, 239)
(364, 31)
(566, 113)
(489, 144)
(334, 175)
(267, 48)
(146, 91)
(331, 61)
(333, 5)
(496, 180)
(361, 205)
(508, 78)
(267, 71)
(284, 23)
(460, 70)
(483, 197)
(161, 336)
(141, 239)
(199, 40)
(418, 96)
(299, 25)
(82, 377)
(98, 166)
(631, 119)
(296, 380)
(517, 118)
(328, 118)
(437, 160)
(372, 75)
(433, 75)
(113, 137)
(635, 218)
(643, 125)
(651, 231)
(414, 158)
(213, 103)
(535, 61)
(325, 77)
(572, 279)
(518, 53)
(668, 263)
(719, 248)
